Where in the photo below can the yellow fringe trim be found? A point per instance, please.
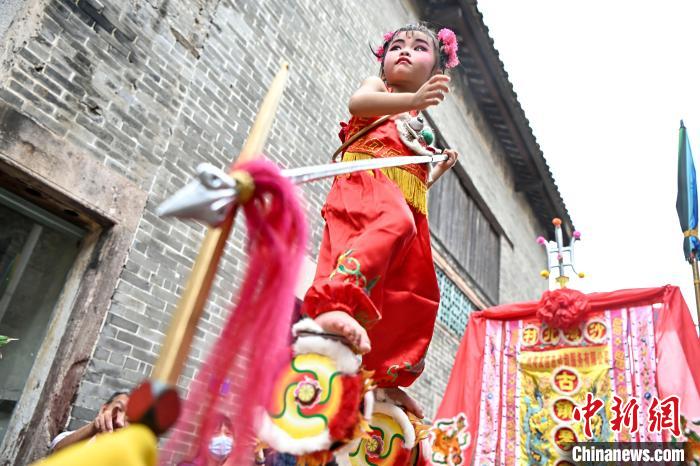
(413, 189)
(422, 430)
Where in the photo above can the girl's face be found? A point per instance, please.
(409, 61)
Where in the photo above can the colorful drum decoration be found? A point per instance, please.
(321, 399)
(391, 441)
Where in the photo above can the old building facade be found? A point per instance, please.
(107, 106)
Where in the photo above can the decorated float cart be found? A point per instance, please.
(532, 379)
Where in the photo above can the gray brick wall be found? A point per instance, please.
(465, 129)
(152, 88)
(430, 386)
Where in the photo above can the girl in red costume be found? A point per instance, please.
(375, 282)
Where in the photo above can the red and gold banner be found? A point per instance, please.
(523, 391)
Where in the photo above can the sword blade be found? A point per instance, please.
(316, 172)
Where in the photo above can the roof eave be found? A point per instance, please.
(498, 102)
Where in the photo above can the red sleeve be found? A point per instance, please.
(335, 295)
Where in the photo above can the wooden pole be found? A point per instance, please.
(179, 337)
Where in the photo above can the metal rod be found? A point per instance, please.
(179, 337)
(696, 282)
(559, 238)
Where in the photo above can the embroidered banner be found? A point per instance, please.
(520, 391)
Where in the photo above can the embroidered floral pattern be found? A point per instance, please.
(449, 438)
(393, 371)
(350, 267)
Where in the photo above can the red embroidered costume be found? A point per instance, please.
(375, 261)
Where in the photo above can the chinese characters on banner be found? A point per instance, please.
(556, 370)
(662, 415)
(523, 391)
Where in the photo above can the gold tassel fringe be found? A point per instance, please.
(413, 189)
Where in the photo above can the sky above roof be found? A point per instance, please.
(604, 86)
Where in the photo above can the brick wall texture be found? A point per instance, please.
(151, 88)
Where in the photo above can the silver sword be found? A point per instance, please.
(213, 192)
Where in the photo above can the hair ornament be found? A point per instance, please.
(380, 50)
(448, 46)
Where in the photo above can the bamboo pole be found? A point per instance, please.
(179, 337)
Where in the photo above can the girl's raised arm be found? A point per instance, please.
(372, 98)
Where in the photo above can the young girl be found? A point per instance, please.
(375, 283)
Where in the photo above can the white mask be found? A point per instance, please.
(220, 447)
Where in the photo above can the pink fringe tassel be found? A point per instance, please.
(236, 379)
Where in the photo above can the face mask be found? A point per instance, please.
(221, 446)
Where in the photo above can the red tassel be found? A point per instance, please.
(237, 377)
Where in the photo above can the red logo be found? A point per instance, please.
(590, 409)
(668, 417)
(625, 415)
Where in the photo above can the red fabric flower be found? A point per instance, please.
(380, 50)
(562, 308)
(448, 46)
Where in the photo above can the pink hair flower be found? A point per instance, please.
(380, 50)
(379, 53)
(448, 46)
